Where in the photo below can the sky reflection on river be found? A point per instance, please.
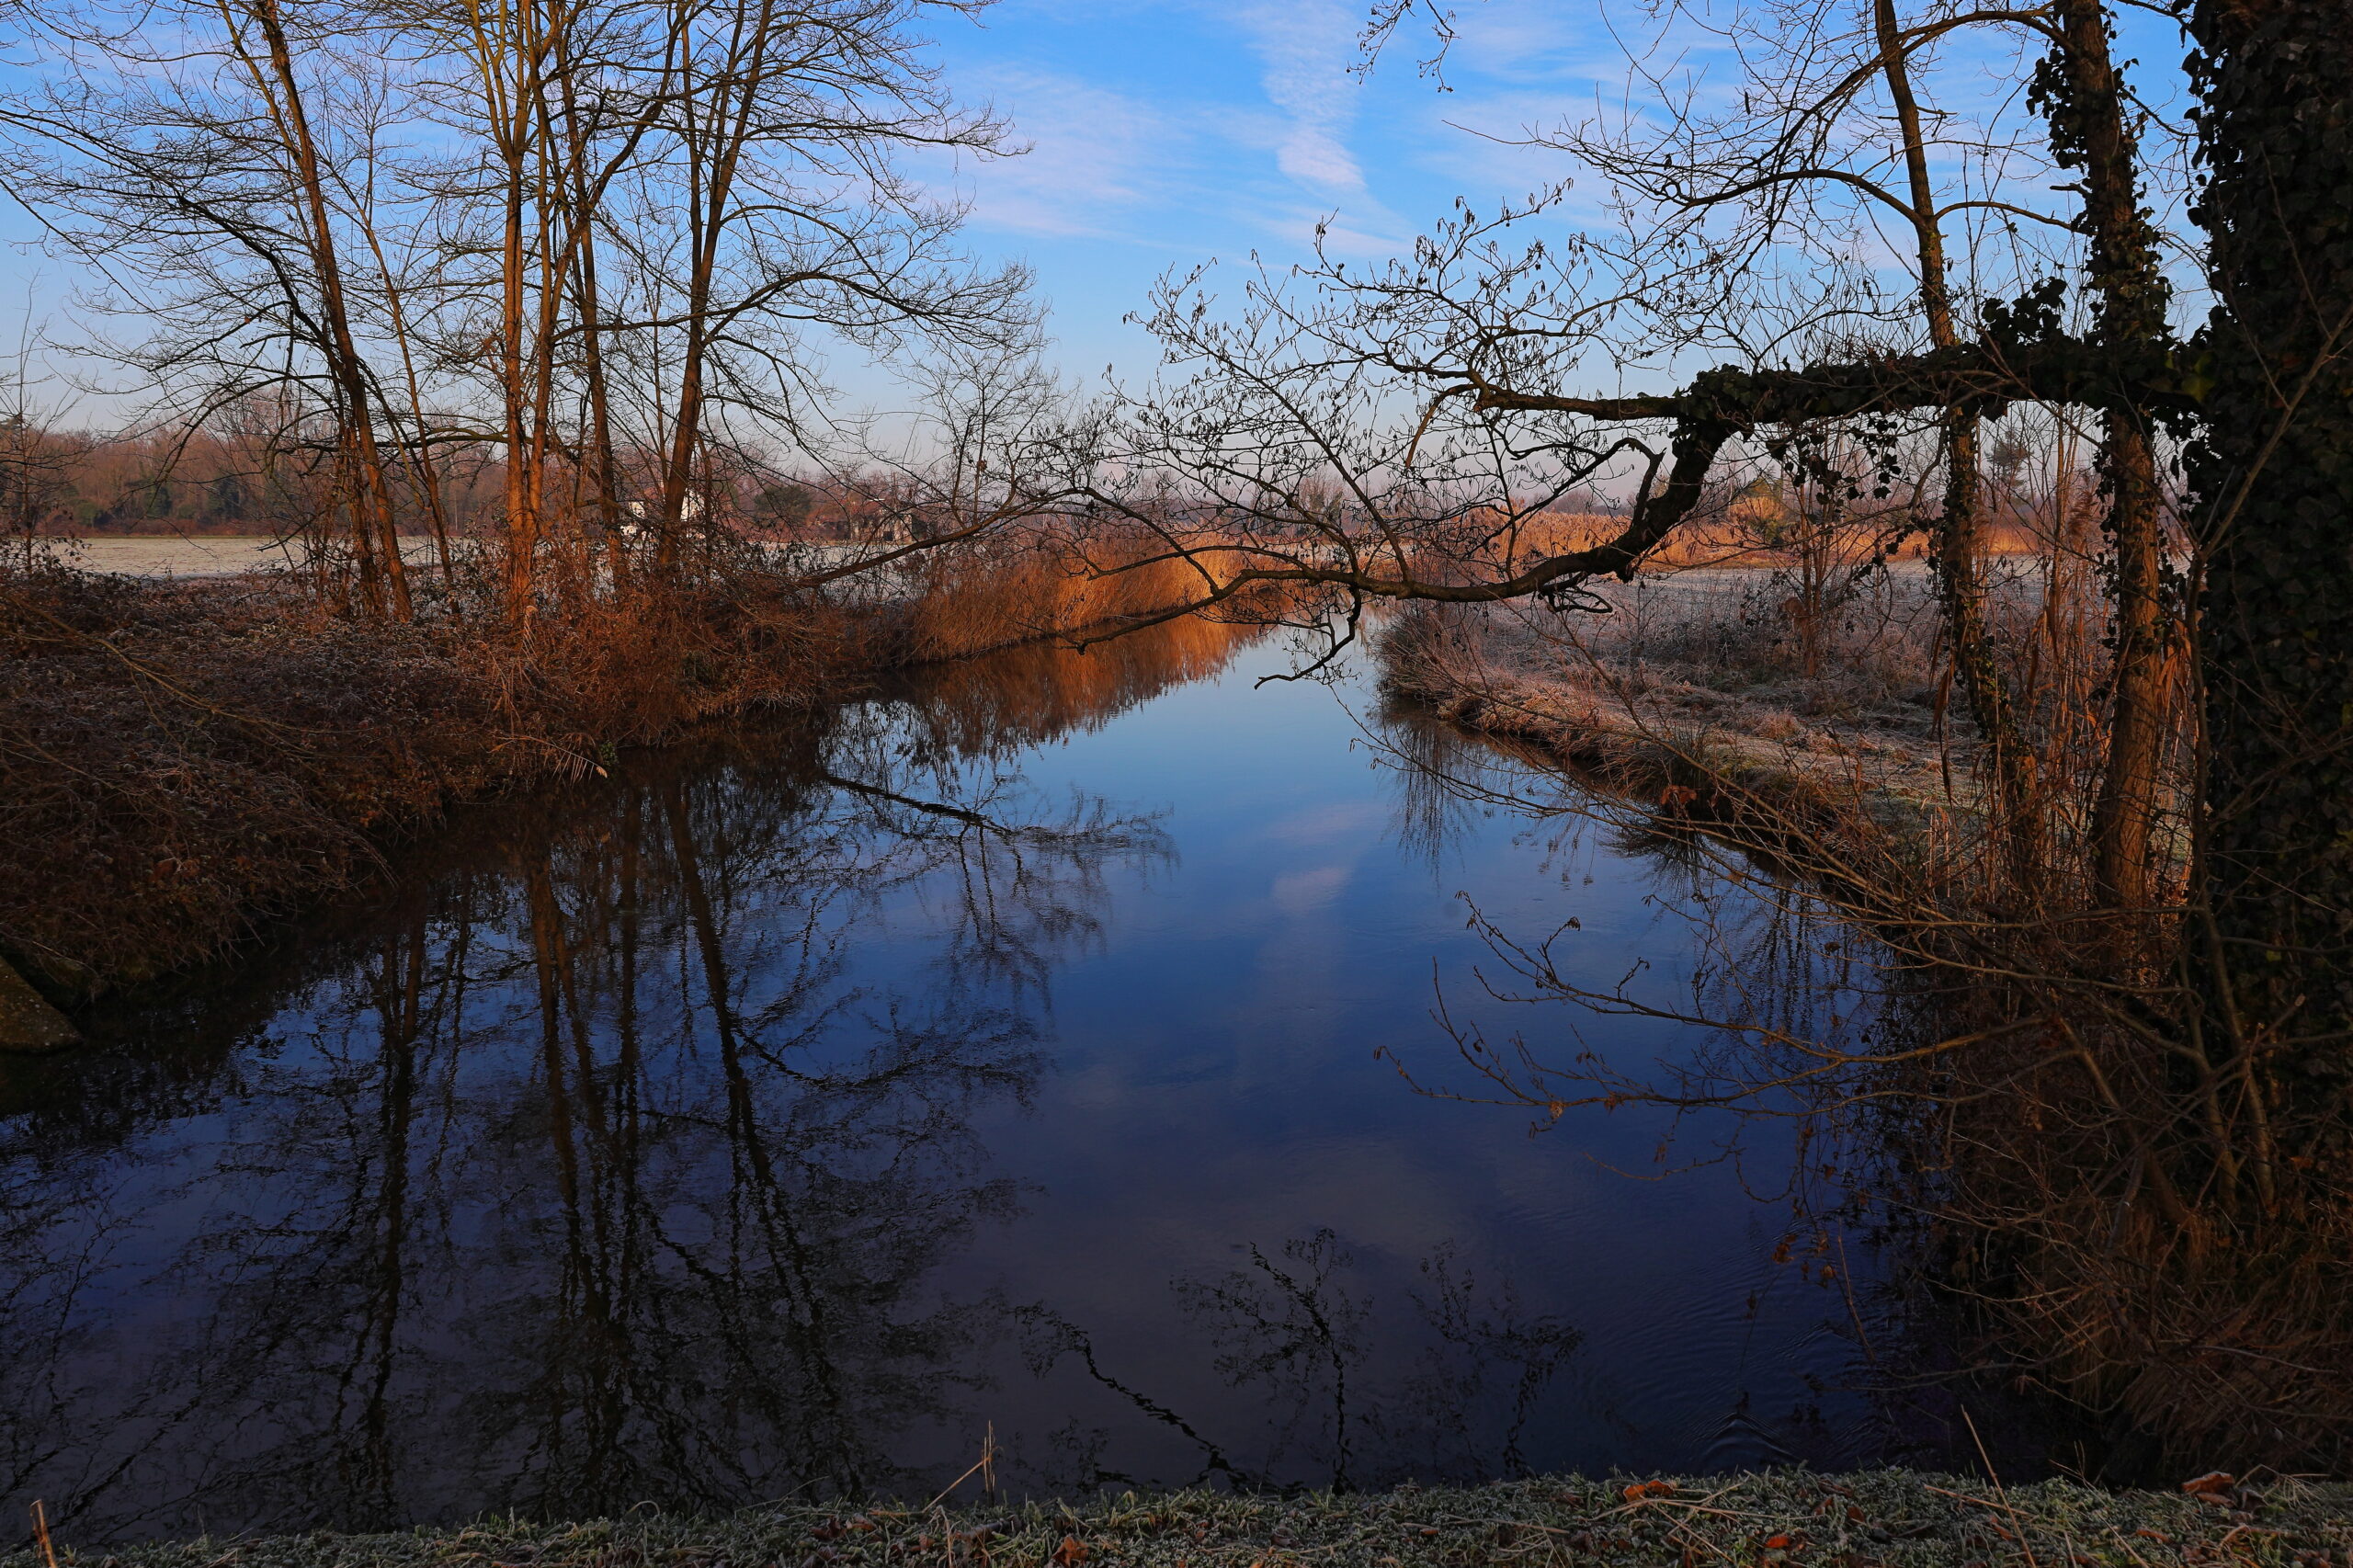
(789, 1113)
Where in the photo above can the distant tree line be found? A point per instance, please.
(72, 483)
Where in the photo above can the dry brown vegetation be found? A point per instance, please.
(182, 761)
(178, 762)
(1000, 592)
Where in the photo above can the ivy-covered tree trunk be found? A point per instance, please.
(2274, 477)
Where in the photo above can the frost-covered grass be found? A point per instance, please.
(1791, 1517)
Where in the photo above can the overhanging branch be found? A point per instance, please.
(2157, 380)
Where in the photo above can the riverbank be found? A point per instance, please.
(1679, 696)
(183, 761)
(2046, 1049)
(1899, 1519)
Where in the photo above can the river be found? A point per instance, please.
(1036, 1061)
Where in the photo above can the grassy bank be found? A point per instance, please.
(182, 762)
(1793, 1518)
(1683, 698)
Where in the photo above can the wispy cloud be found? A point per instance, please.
(1306, 47)
(1182, 126)
(1095, 155)
(1108, 163)
(1304, 50)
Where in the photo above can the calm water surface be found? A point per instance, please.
(1017, 1056)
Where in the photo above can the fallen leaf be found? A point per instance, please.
(1071, 1550)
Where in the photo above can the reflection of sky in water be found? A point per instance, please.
(1216, 1084)
(980, 1103)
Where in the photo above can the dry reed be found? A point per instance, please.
(181, 762)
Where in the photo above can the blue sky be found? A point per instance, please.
(1164, 132)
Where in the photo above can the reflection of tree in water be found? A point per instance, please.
(1289, 1326)
(1438, 1381)
(1041, 691)
(1433, 769)
(610, 1164)
(594, 1173)
(1772, 992)
(1489, 1355)
(1797, 1054)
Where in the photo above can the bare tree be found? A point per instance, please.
(187, 164)
(582, 244)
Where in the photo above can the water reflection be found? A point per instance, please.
(1789, 1072)
(786, 1112)
(1297, 1334)
(594, 1182)
(592, 1174)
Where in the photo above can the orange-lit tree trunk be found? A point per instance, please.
(361, 478)
(2082, 91)
(584, 191)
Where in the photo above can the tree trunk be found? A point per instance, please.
(2085, 98)
(2274, 480)
(374, 522)
(1960, 563)
(522, 513)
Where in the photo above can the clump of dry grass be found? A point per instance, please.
(2195, 1322)
(1020, 588)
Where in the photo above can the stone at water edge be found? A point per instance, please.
(26, 1020)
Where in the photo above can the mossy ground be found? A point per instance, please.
(1767, 1520)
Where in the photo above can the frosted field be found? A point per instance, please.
(166, 557)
